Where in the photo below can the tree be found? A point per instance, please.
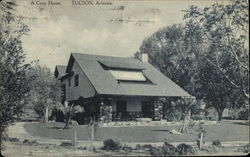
(45, 93)
(13, 70)
(218, 37)
(223, 32)
(167, 52)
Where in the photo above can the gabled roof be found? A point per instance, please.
(105, 84)
(60, 70)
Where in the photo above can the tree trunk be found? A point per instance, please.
(46, 114)
(220, 114)
(67, 121)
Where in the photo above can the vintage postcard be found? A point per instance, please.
(124, 77)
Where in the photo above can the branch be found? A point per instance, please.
(217, 66)
(233, 52)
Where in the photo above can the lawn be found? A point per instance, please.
(224, 131)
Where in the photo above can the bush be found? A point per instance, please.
(198, 117)
(244, 149)
(147, 146)
(66, 144)
(185, 149)
(27, 142)
(138, 146)
(243, 115)
(81, 148)
(112, 145)
(216, 143)
(127, 148)
(166, 149)
(13, 140)
(212, 149)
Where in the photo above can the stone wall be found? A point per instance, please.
(158, 109)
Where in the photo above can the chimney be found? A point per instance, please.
(143, 57)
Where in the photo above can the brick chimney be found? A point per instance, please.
(143, 57)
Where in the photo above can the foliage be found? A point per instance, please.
(211, 149)
(169, 149)
(179, 108)
(185, 149)
(218, 37)
(69, 110)
(126, 148)
(244, 149)
(13, 140)
(111, 145)
(167, 52)
(30, 143)
(243, 115)
(208, 55)
(13, 78)
(45, 91)
(216, 143)
(66, 144)
(166, 149)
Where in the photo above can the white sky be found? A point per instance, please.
(56, 31)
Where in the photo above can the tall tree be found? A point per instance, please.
(223, 31)
(167, 52)
(45, 92)
(218, 36)
(13, 78)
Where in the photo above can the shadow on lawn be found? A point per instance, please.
(242, 123)
(56, 127)
(162, 130)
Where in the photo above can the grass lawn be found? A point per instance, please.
(224, 131)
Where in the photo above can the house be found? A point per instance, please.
(116, 88)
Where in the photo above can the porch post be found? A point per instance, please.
(158, 109)
(105, 111)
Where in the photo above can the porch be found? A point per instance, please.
(121, 109)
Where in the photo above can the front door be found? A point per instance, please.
(121, 109)
(146, 108)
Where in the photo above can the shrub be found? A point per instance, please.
(198, 117)
(127, 148)
(216, 143)
(244, 149)
(138, 146)
(212, 149)
(166, 149)
(147, 146)
(13, 140)
(112, 145)
(243, 115)
(156, 151)
(185, 149)
(66, 144)
(81, 148)
(27, 142)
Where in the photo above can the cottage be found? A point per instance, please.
(116, 88)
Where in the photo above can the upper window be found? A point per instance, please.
(76, 80)
(125, 75)
(69, 81)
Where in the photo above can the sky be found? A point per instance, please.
(58, 30)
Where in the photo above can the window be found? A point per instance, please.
(63, 94)
(76, 80)
(126, 75)
(69, 81)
